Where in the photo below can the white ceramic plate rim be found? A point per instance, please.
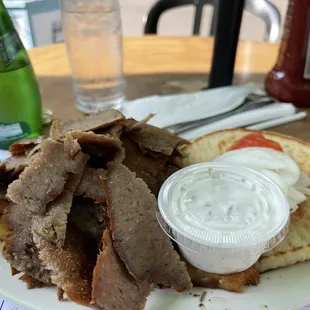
(282, 289)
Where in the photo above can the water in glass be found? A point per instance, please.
(93, 35)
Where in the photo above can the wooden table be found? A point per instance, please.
(158, 65)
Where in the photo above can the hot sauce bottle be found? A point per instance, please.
(289, 80)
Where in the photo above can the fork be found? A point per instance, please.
(248, 104)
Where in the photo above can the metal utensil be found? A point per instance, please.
(252, 102)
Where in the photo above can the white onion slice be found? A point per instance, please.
(275, 177)
(275, 165)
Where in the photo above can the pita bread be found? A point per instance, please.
(296, 246)
(232, 282)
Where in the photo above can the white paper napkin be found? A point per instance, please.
(174, 109)
(278, 121)
(243, 119)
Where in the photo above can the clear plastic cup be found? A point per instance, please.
(93, 35)
(222, 216)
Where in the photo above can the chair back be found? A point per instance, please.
(263, 9)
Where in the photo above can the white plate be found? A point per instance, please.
(283, 289)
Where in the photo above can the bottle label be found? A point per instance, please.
(307, 64)
(10, 133)
(10, 46)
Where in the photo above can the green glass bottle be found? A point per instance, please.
(20, 100)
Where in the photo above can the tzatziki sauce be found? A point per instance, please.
(222, 216)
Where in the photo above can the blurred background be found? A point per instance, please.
(38, 21)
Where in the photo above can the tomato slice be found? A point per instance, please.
(256, 140)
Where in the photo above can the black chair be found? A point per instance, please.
(263, 9)
(152, 19)
(226, 24)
